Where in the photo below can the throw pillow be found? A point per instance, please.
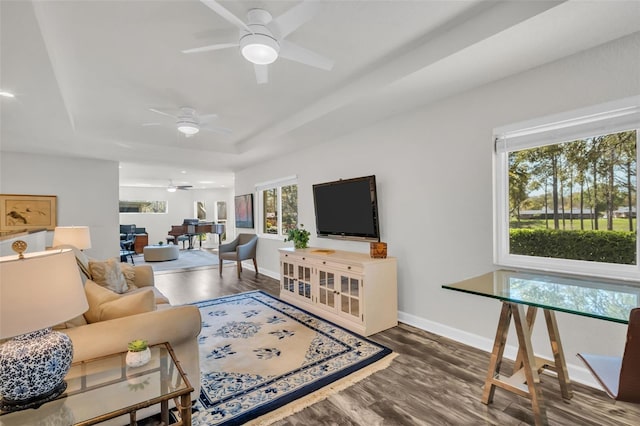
(105, 304)
(108, 274)
(129, 272)
(96, 296)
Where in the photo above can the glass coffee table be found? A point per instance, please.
(105, 388)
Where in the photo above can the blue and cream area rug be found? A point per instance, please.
(258, 354)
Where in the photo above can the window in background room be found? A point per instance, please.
(566, 192)
(278, 201)
(143, 206)
(200, 210)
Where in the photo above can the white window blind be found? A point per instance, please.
(607, 118)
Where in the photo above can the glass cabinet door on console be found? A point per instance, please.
(288, 278)
(327, 290)
(304, 282)
(350, 306)
(296, 279)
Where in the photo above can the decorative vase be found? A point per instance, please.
(139, 358)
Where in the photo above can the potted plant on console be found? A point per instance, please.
(299, 236)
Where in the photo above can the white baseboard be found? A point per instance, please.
(577, 373)
(249, 265)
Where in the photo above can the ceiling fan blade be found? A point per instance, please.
(262, 73)
(223, 12)
(211, 47)
(293, 52)
(206, 117)
(216, 129)
(151, 124)
(293, 18)
(157, 111)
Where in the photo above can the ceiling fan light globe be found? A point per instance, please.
(188, 128)
(259, 49)
(172, 189)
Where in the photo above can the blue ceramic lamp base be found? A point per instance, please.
(32, 369)
(9, 406)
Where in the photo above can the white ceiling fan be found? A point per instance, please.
(174, 188)
(188, 122)
(262, 38)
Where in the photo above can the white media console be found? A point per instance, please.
(350, 289)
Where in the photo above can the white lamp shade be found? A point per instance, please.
(77, 236)
(39, 291)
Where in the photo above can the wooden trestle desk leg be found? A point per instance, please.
(529, 371)
(558, 354)
(497, 353)
(559, 365)
(529, 365)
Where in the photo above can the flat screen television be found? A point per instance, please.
(347, 209)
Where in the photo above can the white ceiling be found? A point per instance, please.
(85, 73)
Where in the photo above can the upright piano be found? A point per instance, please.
(193, 227)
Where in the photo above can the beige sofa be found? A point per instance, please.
(178, 325)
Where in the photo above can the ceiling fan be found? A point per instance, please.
(174, 188)
(188, 122)
(262, 38)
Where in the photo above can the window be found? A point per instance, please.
(566, 192)
(278, 206)
(143, 206)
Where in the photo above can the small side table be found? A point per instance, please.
(105, 388)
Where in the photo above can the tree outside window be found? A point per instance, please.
(289, 208)
(270, 210)
(575, 200)
(279, 208)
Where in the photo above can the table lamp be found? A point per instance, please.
(77, 236)
(37, 291)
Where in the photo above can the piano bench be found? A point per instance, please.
(184, 238)
(171, 239)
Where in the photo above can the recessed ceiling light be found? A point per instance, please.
(184, 172)
(7, 94)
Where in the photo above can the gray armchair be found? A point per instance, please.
(242, 248)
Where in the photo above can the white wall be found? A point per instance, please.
(180, 206)
(434, 173)
(86, 190)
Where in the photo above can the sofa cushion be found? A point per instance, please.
(130, 304)
(160, 298)
(108, 274)
(105, 304)
(73, 322)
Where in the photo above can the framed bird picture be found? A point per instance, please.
(20, 212)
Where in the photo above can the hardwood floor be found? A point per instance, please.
(433, 381)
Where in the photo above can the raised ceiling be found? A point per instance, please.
(85, 73)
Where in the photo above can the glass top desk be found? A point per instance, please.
(106, 388)
(611, 301)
